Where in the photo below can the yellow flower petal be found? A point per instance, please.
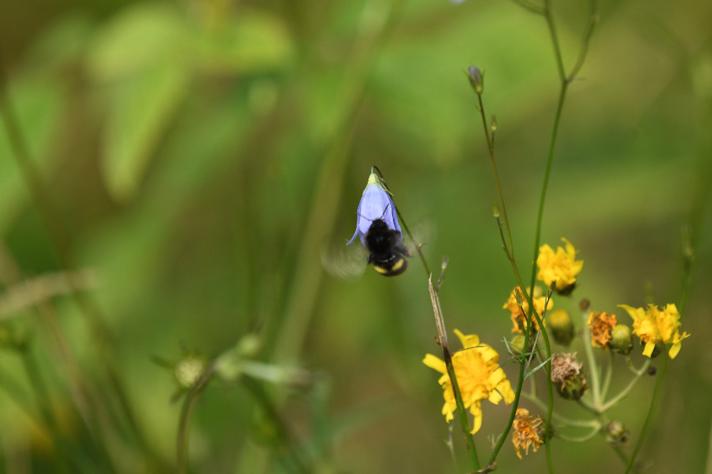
(467, 340)
(435, 363)
(477, 417)
(649, 348)
(674, 350)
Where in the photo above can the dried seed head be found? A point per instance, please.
(567, 376)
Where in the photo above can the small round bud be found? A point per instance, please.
(584, 304)
(616, 432)
(567, 376)
(188, 370)
(621, 341)
(517, 343)
(249, 345)
(476, 79)
(652, 370)
(562, 327)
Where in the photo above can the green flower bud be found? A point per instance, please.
(517, 343)
(476, 78)
(188, 370)
(621, 341)
(616, 432)
(562, 327)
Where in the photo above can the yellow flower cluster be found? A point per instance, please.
(654, 325)
(479, 377)
(558, 268)
(518, 305)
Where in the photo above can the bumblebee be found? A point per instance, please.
(387, 252)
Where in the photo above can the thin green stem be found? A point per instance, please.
(44, 402)
(608, 377)
(509, 245)
(580, 439)
(447, 357)
(285, 437)
(625, 391)
(593, 366)
(659, 382)
(182, 437)
(560, 418)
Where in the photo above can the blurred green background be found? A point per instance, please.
(204, 155)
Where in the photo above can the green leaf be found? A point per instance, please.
(137, 39)
(140, 109)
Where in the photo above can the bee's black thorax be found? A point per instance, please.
(386, 250)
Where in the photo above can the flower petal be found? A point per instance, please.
(477, 417)
(649, 348)
(467, 340)
(435, 363)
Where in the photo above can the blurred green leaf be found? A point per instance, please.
(138, 38)
(140, 110)
(37, 104)
(251, 42)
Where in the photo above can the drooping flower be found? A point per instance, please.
(518, 305)
(527, 432)
(558, 269)
(601, 325)
(479, 378)
(654, 325)
(567, 376)
(376, 204)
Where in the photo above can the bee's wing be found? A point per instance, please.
(423, 234)
(344, 261)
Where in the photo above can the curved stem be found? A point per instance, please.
(182, 437)
(649, 417)
(580, 439)
(560, 418)
(624, 393)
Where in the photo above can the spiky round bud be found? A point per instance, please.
(616, 433)
(188, 370)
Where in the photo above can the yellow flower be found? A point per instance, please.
(558, 269)
(527, 432)
(518, 302)
(601, 324)
(654, 325)
(479, 377)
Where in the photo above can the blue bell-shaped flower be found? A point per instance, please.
(378, 228)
